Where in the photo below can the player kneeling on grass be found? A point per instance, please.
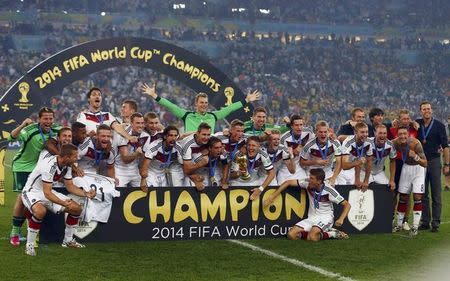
(318, 225)
(38, 195)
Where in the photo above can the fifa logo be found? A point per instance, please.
(229, 93)
(24, 88)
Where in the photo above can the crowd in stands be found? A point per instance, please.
(400, 13)
(315, 76)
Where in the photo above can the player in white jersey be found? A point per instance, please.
(94, 152)
(382, 149)
(162, 162)
(194, 146)
(323, 152)
(318, 225)
(357, 154)
(94, 117)
(53, 145)
(412, 177)
(153, 126)
(296, 139)
(210, 169)
(38, 196)
(252, 168)
(235, 139)
(281, 157)
(127, 164)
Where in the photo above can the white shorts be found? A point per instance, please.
(29, 198)
(379, 178)
(412, 178)
(156, 179)
(133, 179)
(324, 223)
(284, 174)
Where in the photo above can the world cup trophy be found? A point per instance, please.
(229, 93)
(241, 160)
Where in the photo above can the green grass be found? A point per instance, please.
(362, 257)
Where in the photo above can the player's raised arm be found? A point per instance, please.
(280, 189)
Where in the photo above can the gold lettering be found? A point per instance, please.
(166, 57)
(255, 209)
(211, 208)
(155, 210)
(235, 206)
(128, 204)
(278, 203)
(298, 206)
(185, 199)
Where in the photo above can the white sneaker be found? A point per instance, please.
(341, 235)
(406, 226)
(72, 244)
(29, 249)
(396, 229)
(414, 231)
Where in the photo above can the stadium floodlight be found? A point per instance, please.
(264, 11)
(103, 14)
(241, 10)
(17, 11)
(179, 6)
(204, 3)
(64, 12)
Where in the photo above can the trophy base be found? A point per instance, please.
(245, 177)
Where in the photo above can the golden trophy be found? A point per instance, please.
(229, 93)
(241, 160)
(24, 88)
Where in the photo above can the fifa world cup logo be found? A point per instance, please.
(229, 93)
(241, 160)
(24, 88)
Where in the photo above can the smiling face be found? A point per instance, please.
(152, 125)
(46, 121)
(65, 137)
(236, 133)
(252, 148)
(201, 105)
(426, 111)
(403, 135)
(104, 138)
(381, 135)
(362, 134)
(137, 125)
(259, 119)
(203, 136)
(359, 116)
(274, 140)
(95, 100)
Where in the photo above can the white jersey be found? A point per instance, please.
(278, 156)
(161, 158)
(132, 167)
(289, 140)
(256, 167)
(47, 170)
(99, 207)
(314, 150)
(380, 153)
(93, 120)
(90, 158)
(190, 149)
(213, 169)
(355, 151)
(230, 148)
(321, 202)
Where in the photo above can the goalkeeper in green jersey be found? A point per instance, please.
(192, 119)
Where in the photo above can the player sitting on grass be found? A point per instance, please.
(318, 225)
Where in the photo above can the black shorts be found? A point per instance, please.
(20, 179)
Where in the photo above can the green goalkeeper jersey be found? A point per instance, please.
(249, 129)
(192, 119)
(33, 140)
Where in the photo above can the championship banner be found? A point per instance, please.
(175, 213)
(49, 77)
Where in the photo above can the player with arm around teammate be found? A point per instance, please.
(38, 196)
